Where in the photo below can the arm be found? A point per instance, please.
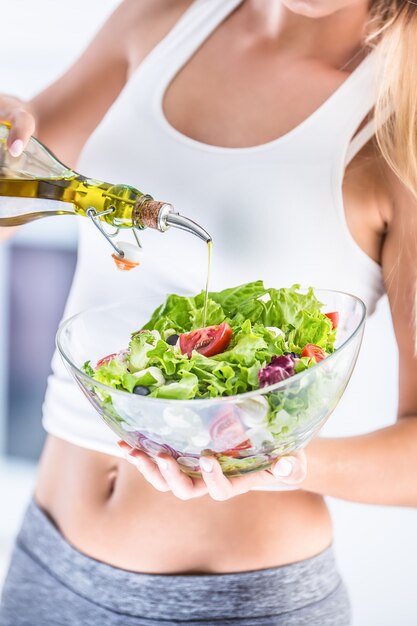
(381, 467)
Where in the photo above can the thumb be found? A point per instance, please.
(291, 469)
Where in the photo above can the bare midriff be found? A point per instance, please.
(105, 509)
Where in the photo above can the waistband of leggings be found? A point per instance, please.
(257, 593)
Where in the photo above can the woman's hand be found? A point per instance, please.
(167, 475)
(22, 119)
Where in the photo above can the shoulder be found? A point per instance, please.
(143, 24)
(370, 172)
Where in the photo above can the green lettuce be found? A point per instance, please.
(115, 374)
(253, 312)
(185, 389)
(312, 327)
(140, 344)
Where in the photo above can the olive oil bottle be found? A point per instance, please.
(48, 187)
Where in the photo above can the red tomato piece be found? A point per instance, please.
(334, 318)
(235, 452)
(227, 431)
(313, 352)
(106, 359)
(207, 341)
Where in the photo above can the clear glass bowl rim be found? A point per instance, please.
(219, 399)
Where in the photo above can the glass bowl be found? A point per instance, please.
(246, 432)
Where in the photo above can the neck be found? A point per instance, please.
(332, 39)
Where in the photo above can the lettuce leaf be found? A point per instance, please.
(115, 374)
(140, 344)
(185, 389)
(87, 369)
(232, 299)
(312, 327)
(249, 309)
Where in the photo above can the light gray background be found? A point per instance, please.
(376, 546)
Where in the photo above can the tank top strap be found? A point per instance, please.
(364, 135)
(360, 140)
(357, 103)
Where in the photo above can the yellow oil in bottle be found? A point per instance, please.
(79, 191)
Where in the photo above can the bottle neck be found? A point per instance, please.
(150, 213)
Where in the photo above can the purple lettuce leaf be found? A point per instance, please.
(280, 368)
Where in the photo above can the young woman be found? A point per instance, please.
(257, 118)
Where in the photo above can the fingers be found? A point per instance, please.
(23, 126)
(145, 465)
(23, 123)
(149, 470)
(124, 447)
(167, 475)
(182, 486)
(221, 488)
(218, 486)
(291, 470)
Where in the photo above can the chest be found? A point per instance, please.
(237, 92)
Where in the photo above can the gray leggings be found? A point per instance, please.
(50, 583)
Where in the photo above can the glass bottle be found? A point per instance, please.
(54, 189)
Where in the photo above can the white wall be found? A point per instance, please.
(376, 546)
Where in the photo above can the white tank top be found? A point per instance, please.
(275, 211)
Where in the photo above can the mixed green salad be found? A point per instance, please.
(252, 337)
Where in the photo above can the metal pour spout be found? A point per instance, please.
(184, 223)
(150, 213)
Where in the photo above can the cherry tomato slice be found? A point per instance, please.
(207, 341)
(106, 359)
(334, 318)
(227, 431)
(235, 452)
(313, 352)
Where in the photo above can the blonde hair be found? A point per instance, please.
(393, 25)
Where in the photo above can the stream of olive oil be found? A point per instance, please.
(209, 247)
